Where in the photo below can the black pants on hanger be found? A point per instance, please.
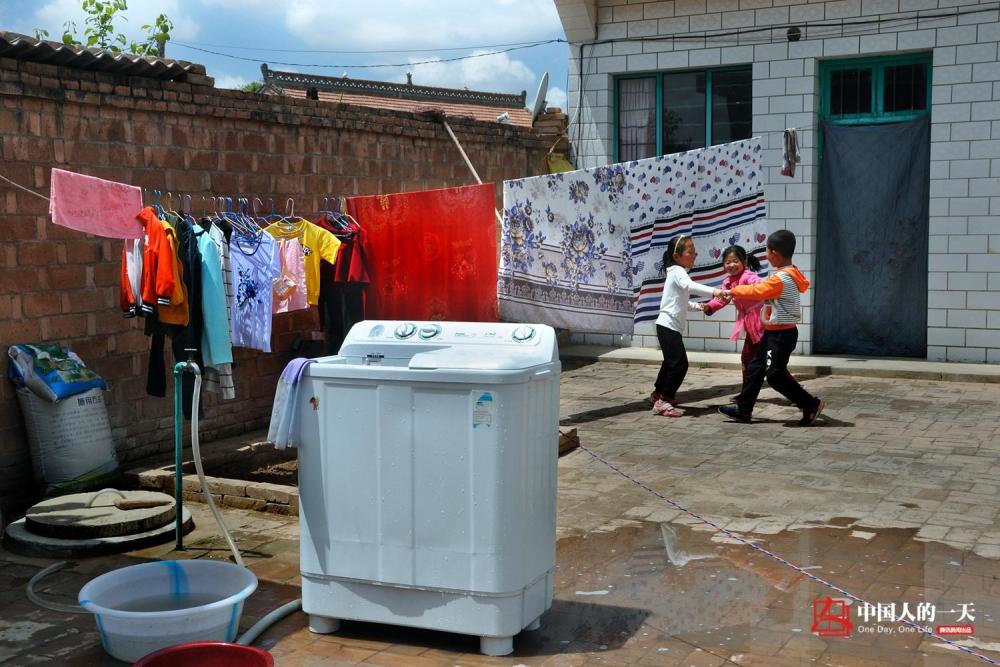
(156, 377)
(341, 306)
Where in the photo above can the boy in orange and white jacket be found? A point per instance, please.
(781, 313)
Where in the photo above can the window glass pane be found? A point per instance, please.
(905, 88)
(850, 91)
(636, 118)
(732, 105)
(683, 111)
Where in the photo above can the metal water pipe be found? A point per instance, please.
(180, 368)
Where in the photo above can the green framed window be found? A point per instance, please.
(875, 90)
(670, 112)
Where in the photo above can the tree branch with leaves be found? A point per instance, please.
(99, 30)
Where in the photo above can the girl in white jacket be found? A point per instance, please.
(672, 321)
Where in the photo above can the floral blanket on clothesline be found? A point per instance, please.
(582, 250)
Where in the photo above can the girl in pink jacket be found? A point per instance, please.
(741, 269)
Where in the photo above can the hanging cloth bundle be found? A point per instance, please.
(790, 156)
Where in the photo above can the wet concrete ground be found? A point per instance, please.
(892, 498)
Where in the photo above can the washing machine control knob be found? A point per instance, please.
(523, 334)
(428, 331)
(405, 330)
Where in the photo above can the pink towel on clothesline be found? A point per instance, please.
(94, 205)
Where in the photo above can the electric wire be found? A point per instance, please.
(806, 25)
(377, 65)
(341, 51)
(843, 27)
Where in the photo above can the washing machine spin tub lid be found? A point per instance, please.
(387, 349)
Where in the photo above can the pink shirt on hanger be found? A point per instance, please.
(290, 287)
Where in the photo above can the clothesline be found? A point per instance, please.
(145, 190)
(250, 199)
(238, 202)
(29, 191)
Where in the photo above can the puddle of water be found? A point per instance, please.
(668, 586)
(675, 553)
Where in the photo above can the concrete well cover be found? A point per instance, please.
(69, 517)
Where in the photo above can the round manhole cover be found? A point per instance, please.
(70, 517)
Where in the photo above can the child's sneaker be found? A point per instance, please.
(809, 416)
(734, 413)
(666, 409)
(654, 397)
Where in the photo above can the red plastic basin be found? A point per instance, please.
(208, 654)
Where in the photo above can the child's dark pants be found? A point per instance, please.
(771, 363)
(675, 363)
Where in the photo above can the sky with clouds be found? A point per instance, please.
(404, 32)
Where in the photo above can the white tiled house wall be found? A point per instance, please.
(964, 263)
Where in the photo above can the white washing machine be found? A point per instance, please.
(427, 478)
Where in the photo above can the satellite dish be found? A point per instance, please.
(539, 105)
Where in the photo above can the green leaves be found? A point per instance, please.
(100, 32)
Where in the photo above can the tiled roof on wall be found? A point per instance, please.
(23, 47)
(476, 104)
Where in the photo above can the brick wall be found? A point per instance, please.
(57, 285)
(964, 250)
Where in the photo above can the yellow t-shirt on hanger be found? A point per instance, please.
(317, 245)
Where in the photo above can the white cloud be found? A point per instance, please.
(230, 81)
(248, 6)
(52, 15)
(494, 73)
(385, 24)
(556, 97)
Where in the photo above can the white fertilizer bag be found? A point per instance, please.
(70, 441)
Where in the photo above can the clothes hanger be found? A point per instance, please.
(188, 214)
(257, 218)
(156, 204)
(285, 225)
(217, 218)
(236, 222)
(273, 215)
(351, 219)
(248, 219)
(342, 209)
(332, 216)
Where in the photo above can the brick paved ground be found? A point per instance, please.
(892, 497)
(888, 453)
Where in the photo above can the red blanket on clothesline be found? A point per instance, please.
(432, 255)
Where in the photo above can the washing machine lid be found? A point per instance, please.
(451, 345)
(476, 358)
